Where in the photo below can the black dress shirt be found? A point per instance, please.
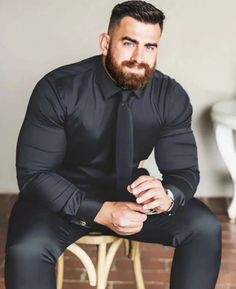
(66, 147)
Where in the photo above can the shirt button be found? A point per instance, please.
(82, 223)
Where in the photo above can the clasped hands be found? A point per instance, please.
(127, 218)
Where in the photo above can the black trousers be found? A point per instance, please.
(37, 237)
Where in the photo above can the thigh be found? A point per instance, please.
(36, 238)
(195, 219)
(35, 227)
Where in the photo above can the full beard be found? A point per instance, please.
(128, 80)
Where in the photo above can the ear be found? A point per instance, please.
(104, 40)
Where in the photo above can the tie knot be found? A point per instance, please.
(126, 94)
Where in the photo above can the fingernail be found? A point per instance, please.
(145, 207)
(135, 191)
(138, 200)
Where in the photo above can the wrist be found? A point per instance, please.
(104, 213)
(171, 198)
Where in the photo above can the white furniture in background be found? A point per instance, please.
(223, 114)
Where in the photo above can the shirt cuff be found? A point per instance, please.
(179, 198)
(85, 214)
(88, 211)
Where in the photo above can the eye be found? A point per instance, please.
(150, 48)
(128, 44)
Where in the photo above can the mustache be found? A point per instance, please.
(134, 63)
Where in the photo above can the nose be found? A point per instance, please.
(137, 55)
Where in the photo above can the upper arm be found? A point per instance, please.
(176, 147)
(42, 140)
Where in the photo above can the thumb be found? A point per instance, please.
(137, 207)
(129, 189)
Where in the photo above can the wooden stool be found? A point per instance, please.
(98, 276)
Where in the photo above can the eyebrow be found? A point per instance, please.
(137, 42)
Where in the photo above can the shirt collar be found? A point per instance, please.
(106, 84)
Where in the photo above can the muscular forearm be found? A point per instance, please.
(59, 195)
(182, 183)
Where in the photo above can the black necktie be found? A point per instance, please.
(124, 145)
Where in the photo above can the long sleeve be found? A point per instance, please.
(175, 150)
(41, 149)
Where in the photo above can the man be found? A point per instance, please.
(78, 154)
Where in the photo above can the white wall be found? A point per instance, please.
(198, 49)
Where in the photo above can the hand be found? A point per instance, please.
(124, 218)
(150, 193)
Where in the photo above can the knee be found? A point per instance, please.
(206, 228)
(32, 250)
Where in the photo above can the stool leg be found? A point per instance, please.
(135, 256)
(86, 261)
(60, 271)
(101, 262)
(127, 247)
(110, 256)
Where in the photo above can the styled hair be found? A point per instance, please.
(139, 10)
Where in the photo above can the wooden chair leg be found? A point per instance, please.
(101, 262)
(99, 277)
(60, 271)
(135, 257)
(127, 247)
(86, 261)
(110, 256)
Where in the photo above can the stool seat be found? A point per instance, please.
(98, 274)
(96, 238)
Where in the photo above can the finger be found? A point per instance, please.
(145, 202)
(129, 189)
(140, 194)
(153, 205)
(141, 179)
(131, 216)
(130, 220)
(135, 207)
(120, 233)
(138, 217)
(131, 225)
(148, 195)
(146, 186)
(127, 230)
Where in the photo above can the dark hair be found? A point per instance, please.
(139, 10)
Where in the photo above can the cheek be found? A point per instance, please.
(151, 59)
(122, 54)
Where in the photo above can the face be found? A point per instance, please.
(130, 52)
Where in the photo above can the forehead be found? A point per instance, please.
(133, 28)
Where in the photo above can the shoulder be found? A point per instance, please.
(69, 72)
(167, 84)
(171, 98)
(168, 90)
(63, 81)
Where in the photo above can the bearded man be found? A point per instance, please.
(87, 127)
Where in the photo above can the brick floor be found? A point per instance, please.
(156, 259)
